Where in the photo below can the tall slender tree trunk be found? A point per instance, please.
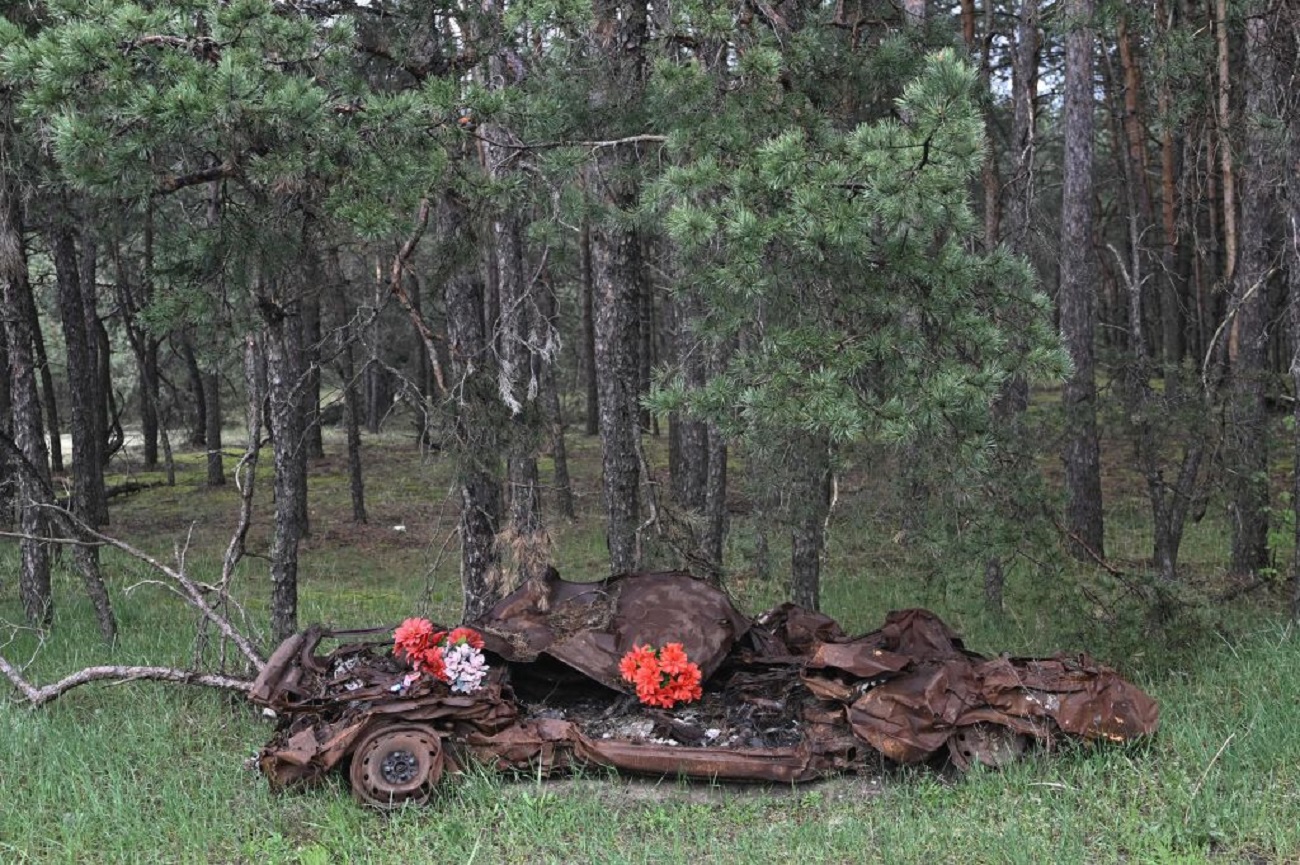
(212, 427)
(550, 393)
(88, 492)
(1018, 196)
(1248, 331)
(809, 507)
(715, 499)
(1082, 454)
(198, 429)
(313, 437)
(587, 356)
(615, 261)
(690, 469)
(48, 394)
(1171, 299)
(518, 385)
(477, 425)
(7, 464)
(88, 497)
(284, 372)
(620, 29)
(31, 460)
(1292, 261)
(345, 367)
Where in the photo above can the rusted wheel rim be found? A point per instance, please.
(990, 745)
(397, 764)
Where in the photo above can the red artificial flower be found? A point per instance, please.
(430, 661)
(661, 677)
(413, 636)
(465, 635)
(672, 658)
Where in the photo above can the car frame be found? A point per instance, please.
(905, 693)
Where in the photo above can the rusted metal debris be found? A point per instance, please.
(789, 696)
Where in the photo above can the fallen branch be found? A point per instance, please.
(39, 696)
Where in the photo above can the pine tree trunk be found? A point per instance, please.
(615, 260)
(517, 386)
(1082, 454)
(554, 413)
(212, 428)
(284, 374)
(809, 507)
(88, 494)
(149, 401)
(690, 470)
(345, 367)
(715, 499)
(1247, 447)
(7, 464)
(97, 344)
(477, 423)
(31, 474)
(48, 393)
(1291, 261)
(88, 501)
(199, 427)
(588, 344)
(313, 438)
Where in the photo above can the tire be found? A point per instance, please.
(395, 764)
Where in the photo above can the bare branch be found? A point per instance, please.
(193, 593)
(176, 182)
(39, 696)
(398, 288)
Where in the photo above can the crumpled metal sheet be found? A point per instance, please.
(904, 690)
(591, 626)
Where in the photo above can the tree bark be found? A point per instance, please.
(1223, 120)
(1171, 297)
(715, 499)
(477, 423)
(313, 438)
(48, 394)
(809, 506)
(7, 465)
(620, 34)
(1248, 332)
(554, 413)
(517, 385)
(345, 366)
(88, 495)
(615, 261)
(587, 359)
(1082, 455)
(1291, 259)
(212, 427)
(284, 372)
(31, 480)
(199, 427)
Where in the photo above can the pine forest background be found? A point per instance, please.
(989, 280)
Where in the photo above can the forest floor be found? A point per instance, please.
(140, 772)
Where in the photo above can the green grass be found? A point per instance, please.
(143, 772)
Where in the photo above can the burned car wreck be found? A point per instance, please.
(785, 697)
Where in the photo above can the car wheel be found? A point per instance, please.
(395, 764)
(990, 745)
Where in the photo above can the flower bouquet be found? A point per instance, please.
(663, 677)
(454, 657)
